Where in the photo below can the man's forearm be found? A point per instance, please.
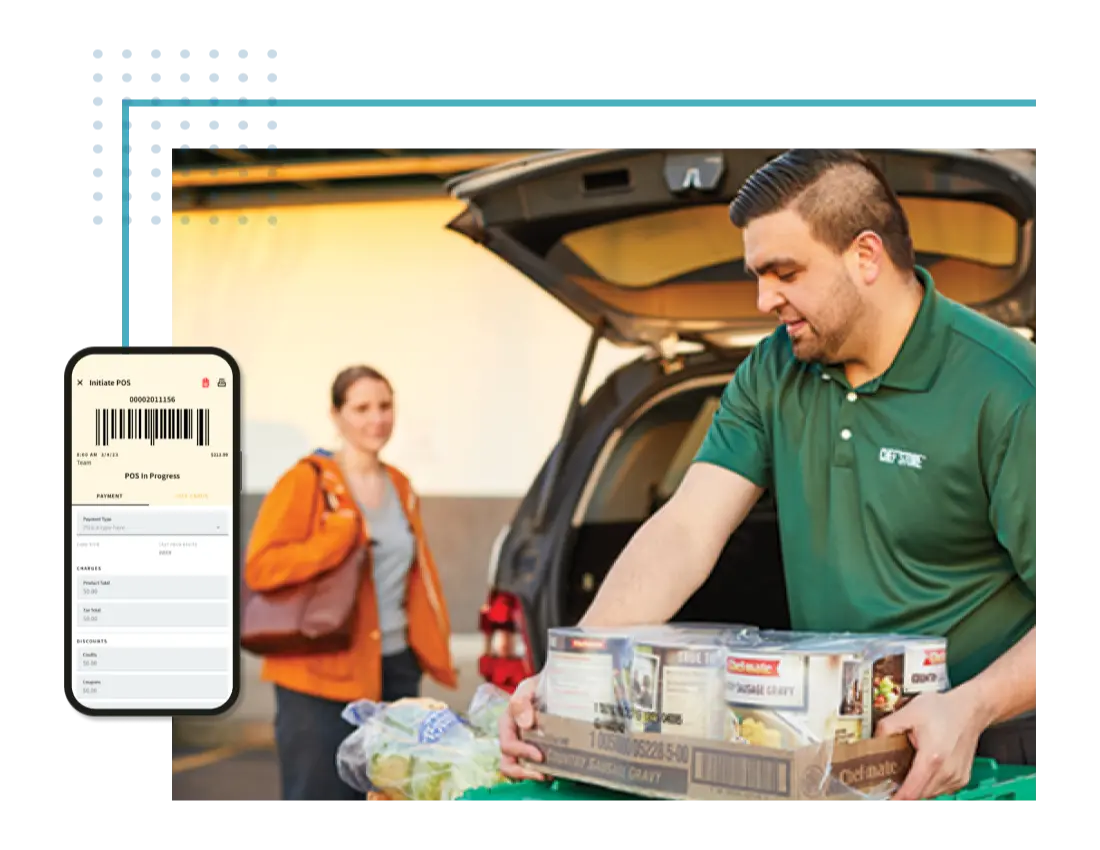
(1006, 688)
(656, 573)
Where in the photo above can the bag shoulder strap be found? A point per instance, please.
(320, 483)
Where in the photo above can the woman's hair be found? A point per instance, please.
(349, 376)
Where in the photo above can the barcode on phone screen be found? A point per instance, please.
(114, 424)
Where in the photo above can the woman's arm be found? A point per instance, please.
(286, 546)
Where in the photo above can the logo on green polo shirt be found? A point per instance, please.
(899, 458)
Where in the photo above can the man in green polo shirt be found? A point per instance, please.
(896, 429)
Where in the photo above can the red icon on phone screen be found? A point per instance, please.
(205, 382)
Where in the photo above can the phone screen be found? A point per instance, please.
(152, 480)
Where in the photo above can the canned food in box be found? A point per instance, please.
(790, 689)
(677, 683)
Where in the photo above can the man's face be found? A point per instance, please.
(808, 287)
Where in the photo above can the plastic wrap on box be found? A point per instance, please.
(419, 749)
(725, 712)
(602, 675)
(676, 686)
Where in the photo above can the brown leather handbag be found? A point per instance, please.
(312, 617)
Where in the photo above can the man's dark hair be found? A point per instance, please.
(838, 193)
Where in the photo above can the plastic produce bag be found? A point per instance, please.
(731, 712)
(419, 749)
(486, 708)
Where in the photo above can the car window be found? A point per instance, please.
(689, 447)
(651, 457)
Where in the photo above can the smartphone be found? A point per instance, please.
(153, 473)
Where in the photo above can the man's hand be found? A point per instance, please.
(944, 730)
(519, 716)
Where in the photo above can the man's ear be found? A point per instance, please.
(868, 254)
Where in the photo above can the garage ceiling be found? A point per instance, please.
(229, 177)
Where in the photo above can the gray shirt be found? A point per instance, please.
(393, 548)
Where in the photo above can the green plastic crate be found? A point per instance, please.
(992, 781)
(558, 789)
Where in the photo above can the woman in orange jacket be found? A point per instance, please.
(402, 629)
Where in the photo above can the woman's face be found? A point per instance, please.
(366, 419)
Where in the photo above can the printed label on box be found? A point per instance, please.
(766, 681)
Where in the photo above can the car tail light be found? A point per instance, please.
(506, 661)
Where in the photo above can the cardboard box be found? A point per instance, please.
(731, 712)
(675, 768)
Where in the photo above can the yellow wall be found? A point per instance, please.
(482, 360)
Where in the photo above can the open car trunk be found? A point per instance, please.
(641, 239)
(639, 469)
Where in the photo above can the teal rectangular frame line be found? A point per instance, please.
(132, 106)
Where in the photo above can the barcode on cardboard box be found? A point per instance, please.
(741, 772)
(152, 424)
